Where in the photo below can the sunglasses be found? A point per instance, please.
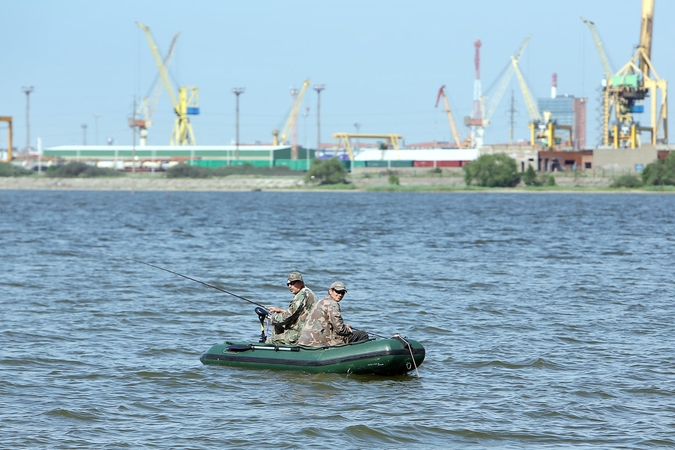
(340, 292)
(291, 283)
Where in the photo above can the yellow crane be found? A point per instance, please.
(626, 91)
(604, 60)
(453, 128)
(185, 104)
(540, 127)
(503, 84)
(146, 110)
(292, 117)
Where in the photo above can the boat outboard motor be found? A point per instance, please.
(262, 314)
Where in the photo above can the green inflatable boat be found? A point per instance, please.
(393, 356)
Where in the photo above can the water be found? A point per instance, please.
(547, 319)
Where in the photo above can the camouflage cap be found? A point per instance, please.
(295, 276)
(338, 286)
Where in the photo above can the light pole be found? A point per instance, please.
(237, 92)
(96, 116)
(27, 91)
(358, 127)
(294, 143)
(318, 88)
(305, 114)
(84, 134)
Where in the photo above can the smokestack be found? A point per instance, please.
(554, 85)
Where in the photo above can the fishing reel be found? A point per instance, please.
(262, 315)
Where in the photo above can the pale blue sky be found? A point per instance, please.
(382, 62)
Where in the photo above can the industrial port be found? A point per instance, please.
(632, 111)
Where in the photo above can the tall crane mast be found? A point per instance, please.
(476, 121)
(292, 117)
(453, 128)
(146, 110)
(185, 104)
(625, 92)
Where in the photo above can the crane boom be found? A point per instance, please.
(527, 95)
(646, 34)
(453, 128)
(292, 117)
(606, 66)
(503, 84)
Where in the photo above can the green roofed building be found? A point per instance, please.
(162, 156)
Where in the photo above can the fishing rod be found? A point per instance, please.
(191, 279)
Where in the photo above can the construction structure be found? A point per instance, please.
(625, 92)
(476, 120)
(8, 121)
(184, 104)
(344, 140)
(451, 120)
(146, 110)
(292, 121)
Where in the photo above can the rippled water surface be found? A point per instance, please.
(547, 319)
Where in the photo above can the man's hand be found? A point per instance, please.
(274, 309)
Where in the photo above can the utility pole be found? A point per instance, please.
(512, 110)
(294, 143)
(237, 91)
(358, 142)
(305, 114)
(96, 116)
(318, 88)
(27, 91)
(84, 134)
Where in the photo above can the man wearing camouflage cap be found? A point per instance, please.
(325, 326)
(288, 323)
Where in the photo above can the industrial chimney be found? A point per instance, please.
(554, 85)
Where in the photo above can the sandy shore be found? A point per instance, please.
(247, 183)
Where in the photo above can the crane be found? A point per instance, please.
(503, 84)
(146, 110)
(455, 136)
(541, 126)
(185, 104)
(606, 65)
(292, 117)
(629, 87)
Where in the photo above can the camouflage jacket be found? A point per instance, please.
(324, 325)
(287, 325)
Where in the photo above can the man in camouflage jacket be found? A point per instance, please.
(325, 326)
(288, 323)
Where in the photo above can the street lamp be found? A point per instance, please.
(318, 88)
(237, 91)
(358, 142)
(305, 114)
(84, 134)
(27, 91)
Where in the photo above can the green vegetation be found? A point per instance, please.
(530, 177)
(10, 170)
(81, 170)
(627, 181)
(393, 179)
(497, 170)
(660, 173)
(551, 181)
(327, 171)
(186, 171)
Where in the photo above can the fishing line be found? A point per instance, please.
(186, 277)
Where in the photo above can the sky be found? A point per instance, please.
(381, 61)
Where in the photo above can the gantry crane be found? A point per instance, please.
(541, 126)
(184, 105)
(146, 110)
(625, 92)
(292, 117)
(453, 128)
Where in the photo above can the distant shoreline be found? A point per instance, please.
(296, 184)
